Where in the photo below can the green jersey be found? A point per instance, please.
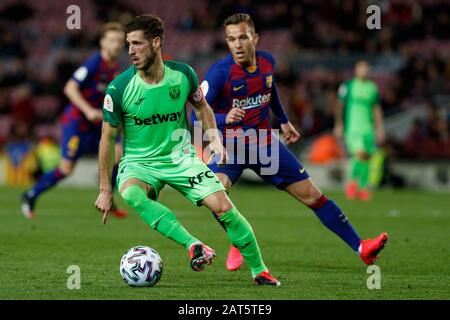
(359, 98)
(153, 116)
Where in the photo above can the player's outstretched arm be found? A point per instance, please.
(106, 152)
(73, 93)
(290, 134)
(338, 129)
(379, 127)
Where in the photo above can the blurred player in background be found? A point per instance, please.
(240, 88)
(82, 117)
(362, 127)
(149, 101)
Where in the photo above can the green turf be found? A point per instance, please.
(311, 262)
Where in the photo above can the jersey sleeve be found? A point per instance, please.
(85, 71)
(275, 102)
(112, 106)
(195, 95)
(277, 106)
(213, 84)
(212, 87)
(193, 80)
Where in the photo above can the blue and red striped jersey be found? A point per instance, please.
(93, 78)
(228, 85)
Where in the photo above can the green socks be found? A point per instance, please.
(354, 169)
(363, 174)
(242, 237)
(359, 171)
(158, 216)
(161, 219)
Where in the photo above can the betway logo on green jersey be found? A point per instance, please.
(158, 118)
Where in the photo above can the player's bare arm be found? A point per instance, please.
(235, 115)
(338, 130)
(106, 152)
(379, 128)
(73, 93)
(205, 114)
(290, 134)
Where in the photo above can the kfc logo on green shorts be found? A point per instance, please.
(199, 178)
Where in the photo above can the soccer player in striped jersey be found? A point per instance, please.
(241, 90)
(82, 117)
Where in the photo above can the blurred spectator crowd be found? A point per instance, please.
(316, 44)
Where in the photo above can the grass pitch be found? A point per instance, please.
(310, 261)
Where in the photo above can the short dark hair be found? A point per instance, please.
(110, 26)
(238, 18)
(152, 26)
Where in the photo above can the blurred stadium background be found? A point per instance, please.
(316, 44)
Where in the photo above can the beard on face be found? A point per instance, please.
(148, 61)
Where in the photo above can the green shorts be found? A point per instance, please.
(190, 176)
(357, 142)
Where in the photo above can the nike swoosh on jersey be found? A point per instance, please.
(302, 170)
(238, 88)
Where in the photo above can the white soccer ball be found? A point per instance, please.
(141, 266)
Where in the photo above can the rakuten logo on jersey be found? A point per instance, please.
(251, 102)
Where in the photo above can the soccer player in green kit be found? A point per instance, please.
(148, 101)
(363, 129)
